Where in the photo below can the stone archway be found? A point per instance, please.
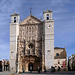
(30, 62)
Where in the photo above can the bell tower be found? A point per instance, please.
(48, 39)
(14, 32)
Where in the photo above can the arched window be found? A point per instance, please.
(57, 54)
(14, 19)
(47, 16)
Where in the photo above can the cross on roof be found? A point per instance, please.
(30, 11)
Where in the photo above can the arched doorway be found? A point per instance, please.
(30, 67)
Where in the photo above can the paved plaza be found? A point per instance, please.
(49, 73)
(36, 73)
(4, 73)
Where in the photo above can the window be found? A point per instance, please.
(14, 19)
(28, 51)
(47, 17)
(39, 52)
(58, 62)
(30, 45)
(34, 52)
(57, 54)
(48, 50)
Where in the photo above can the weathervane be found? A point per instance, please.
(30, 11)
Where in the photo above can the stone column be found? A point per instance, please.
(26, 67)
(43, 63)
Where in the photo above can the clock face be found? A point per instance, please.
(49, 26)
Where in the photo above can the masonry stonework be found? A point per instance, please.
(31, 43)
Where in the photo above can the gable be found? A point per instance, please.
(31, 20)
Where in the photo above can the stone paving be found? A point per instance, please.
(35, 73)
(49, 73)
(4, 73)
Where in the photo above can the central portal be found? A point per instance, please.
(29, 63)
(30, 67)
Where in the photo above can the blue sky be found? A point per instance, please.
(63, 14)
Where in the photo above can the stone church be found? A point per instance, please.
(31, 43)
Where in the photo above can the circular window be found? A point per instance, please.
(30, 45)
(57, 54)
(49, 26)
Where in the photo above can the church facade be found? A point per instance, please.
(31, 43)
